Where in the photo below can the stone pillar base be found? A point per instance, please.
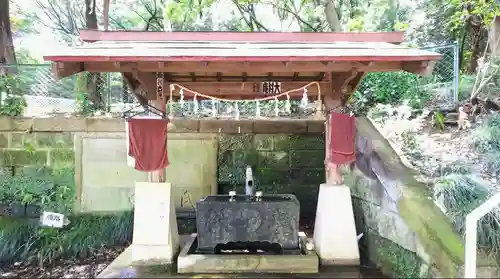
(335, 237)
(157, 254)
(155, 223)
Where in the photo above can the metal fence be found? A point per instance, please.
(47, 96)
(444, 81)
(437, 91)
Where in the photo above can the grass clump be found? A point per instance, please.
(458, 195)
(487, 136)
(487, 142)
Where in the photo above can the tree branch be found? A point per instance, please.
(299, 19)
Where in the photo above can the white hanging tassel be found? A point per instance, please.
(229, 110)
(276, 107)
(195, 107)
(214, 110)
(257, 109)
(181, 100)
(236, 111)
(304, 102)
(288, 106)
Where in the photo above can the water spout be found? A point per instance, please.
(249, 183)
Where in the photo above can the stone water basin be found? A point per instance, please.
(271, 220)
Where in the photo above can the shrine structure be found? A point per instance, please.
(227, 65)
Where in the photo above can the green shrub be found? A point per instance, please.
(53, 189)
(388, 88)
(12, 102)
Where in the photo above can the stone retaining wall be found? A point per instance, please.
(405, 233)
(287, 155)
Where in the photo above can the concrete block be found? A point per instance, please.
(188, 262)
(335, 236)
(280, 126)
(155, 222)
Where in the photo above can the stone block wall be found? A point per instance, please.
(19, 149)
(281, 164)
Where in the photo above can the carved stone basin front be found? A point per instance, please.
(272, 219)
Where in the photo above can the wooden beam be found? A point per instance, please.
(241, 90)
(135, 86)
(64, 69)
(423, 68)
(310, 37)
(228, 90)
(249, 67)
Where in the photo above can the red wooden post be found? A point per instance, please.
(158, 175)
(333, 172)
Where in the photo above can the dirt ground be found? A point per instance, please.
(89, 267)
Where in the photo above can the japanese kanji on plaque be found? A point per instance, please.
(268, 87)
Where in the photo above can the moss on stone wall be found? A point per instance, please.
(393, 259)
(400, 210)
(281, 163)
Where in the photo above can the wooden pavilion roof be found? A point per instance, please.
(225, 57)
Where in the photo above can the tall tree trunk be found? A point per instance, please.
(95, 81)
(7, 52)
(332, 17)
(393, 14)
(90, 15)
(106, 14)
(475, 48)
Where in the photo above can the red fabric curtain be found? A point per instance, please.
(148, 143)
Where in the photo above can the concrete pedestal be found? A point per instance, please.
(335, 238)
(155, 224)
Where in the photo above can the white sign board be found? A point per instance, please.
(51, 219)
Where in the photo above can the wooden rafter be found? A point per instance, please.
(67, 68)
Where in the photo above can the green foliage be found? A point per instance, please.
(84, 106)
(399, 262)
(439, 120)
(51, 188)
(54, 190)
(480, 9)
(459, 195)
(23, 240)
(487, 141)
(487, 136)
(388, 88)
(12, 103)
(465, 87)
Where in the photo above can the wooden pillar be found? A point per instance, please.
(333, 172)
(158, 175)
(334, 236)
